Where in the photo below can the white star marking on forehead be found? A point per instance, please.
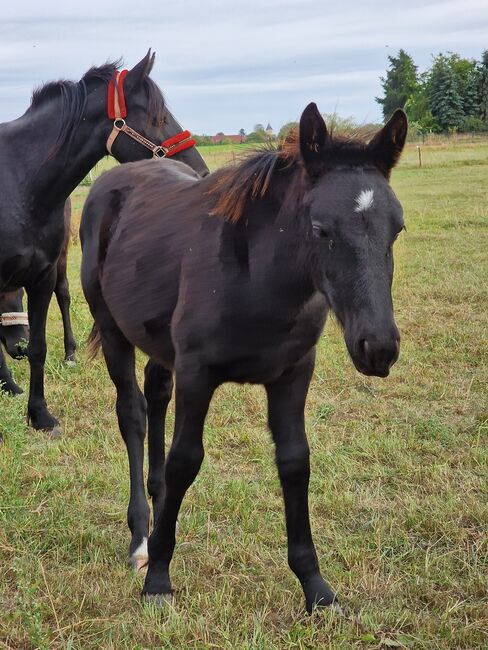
(364, 201)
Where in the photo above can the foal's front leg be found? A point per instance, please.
(38, 299)
(193, 395)
(286, 404)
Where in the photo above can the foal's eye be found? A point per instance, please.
(319, 232)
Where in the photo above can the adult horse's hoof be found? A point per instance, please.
(11, 388)
(159, 600)
(70, 361)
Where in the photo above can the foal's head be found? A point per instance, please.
(355, 219)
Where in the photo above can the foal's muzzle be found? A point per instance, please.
(374, 355)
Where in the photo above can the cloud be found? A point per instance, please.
(226, 65)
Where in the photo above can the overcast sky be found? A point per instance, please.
(228, 64)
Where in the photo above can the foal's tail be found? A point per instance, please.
(94, 342)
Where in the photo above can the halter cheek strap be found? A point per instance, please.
(14, 318)
(117, 111)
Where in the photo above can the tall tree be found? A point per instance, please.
(467, 81)
(444, 99)
(399, 84)
(483, 87)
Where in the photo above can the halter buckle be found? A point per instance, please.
(159, 152)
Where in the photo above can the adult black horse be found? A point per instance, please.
(230, 278)
(44, 154)
(14, 324)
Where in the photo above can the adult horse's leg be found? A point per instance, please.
(193, 394)
(38, 299)
(158, 386)
(131, 413)
(286, 404)
(64, 300)
(7, 384)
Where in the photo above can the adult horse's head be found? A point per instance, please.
(117, 112)
(14, 330)
(355, 218)
(135, 107)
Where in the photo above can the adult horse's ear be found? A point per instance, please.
(135, 76)
(387, 145)
(313, 139)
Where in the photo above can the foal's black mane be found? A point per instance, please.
(74, 96)
(234, 186)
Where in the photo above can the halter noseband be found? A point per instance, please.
(14, 318)
(117, 112)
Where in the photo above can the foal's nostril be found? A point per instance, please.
(364, 347)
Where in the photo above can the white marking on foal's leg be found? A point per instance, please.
(364, 200)
(139, 558)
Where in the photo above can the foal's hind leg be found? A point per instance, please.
(286, 403)
(158, 386)
(193, 395)
(64, 300)
(131, 414)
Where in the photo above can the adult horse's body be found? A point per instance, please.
(14, 330)
(230, 278)
(44, 154)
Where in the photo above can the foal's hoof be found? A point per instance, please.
(70, 361)
(159, 600)
(319, 594)
(139, 558)
(138, 564)
(54, 433)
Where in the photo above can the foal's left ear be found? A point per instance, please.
(140, 71)
(313, 139)
(387, 145)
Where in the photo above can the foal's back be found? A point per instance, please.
(171, 274)
(131, 206)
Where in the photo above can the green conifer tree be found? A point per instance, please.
(483, 87)
(399, 84)
(444, 99)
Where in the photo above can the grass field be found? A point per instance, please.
(399, 488)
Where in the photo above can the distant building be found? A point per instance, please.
(217, 139)
(269, 131)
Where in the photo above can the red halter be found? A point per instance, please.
(117, 111)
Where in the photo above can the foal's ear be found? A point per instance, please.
(141, 70)
(313, 139)
(387, 145)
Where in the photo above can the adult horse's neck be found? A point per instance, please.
(50, 175)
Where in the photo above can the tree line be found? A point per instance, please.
(451, 96)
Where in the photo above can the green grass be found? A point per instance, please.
(398, 492)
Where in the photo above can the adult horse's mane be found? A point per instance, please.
(234, 186)
(74, 96)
